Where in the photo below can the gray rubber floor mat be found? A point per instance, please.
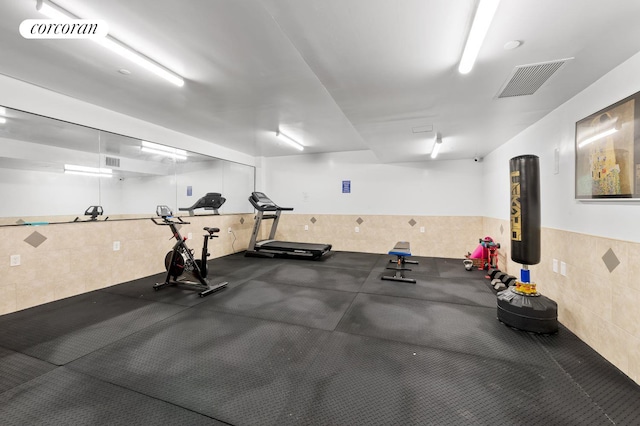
(236, 369)
(467, 291)
(240, 357)
(303, 274)
(460, 328)
(349, 259)
(143, 289)
(305, 306)
(17, 368)
(454, 268)
(183, 296)
(65, 397)
(59, 333)
(612, 390)
(357, 380)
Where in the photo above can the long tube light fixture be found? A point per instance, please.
(73, 169)
(290, 141)
(54, 11)
(154, 148)
(437, 143)
(3, 120)
(481, 22)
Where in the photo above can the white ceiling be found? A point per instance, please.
(337, 75)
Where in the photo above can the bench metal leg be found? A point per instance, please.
(399, 275)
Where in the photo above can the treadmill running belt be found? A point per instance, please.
(293, 246)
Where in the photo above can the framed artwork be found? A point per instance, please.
(608, 152)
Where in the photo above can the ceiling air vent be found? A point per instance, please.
(111, 161)
(526, 79)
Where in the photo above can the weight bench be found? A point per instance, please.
(402, 250)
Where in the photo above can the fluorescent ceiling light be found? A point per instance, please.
(597, 136)
(290, 141)
(436, 147)
(52, 11)
(165, 148)
(3, 111)
(56, 12)
(164, 153)
(73, 172)
(481, 22)
(137, 58)
(87, 171)
(3, 120)
(154, 148)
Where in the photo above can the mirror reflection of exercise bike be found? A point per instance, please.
(93, 212)
(180, 259)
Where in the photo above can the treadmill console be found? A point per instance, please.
(261, 202)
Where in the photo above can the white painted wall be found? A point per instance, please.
(560, 209)
(27, 97)
(313, 184)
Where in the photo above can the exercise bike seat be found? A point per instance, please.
(211, 230)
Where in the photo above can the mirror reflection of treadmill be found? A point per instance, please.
(268, 210)
(211, 201)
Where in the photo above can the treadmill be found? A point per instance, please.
(268, 210)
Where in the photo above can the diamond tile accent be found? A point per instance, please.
(412, 222)
(359, 221)
(242, 221)
(35, 239)
(610, 260)
(20, 222)
(313, 220)
(501, 229)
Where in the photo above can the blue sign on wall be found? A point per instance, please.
(189, 191)
(346, 187)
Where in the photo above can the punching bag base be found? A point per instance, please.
(535, 314)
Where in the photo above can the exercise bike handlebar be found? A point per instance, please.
(167, 220)
(167, 217)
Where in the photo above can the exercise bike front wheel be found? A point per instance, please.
(174, 264)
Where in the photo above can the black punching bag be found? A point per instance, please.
(525, 209)
(521, 306)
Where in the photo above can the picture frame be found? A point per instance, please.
(607, 152)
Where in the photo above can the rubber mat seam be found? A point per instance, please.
(82, 373)
(438, 348)
(426, 300)
(128, 335)
(574, 382)
(212, 308)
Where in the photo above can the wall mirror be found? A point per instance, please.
(53, 171)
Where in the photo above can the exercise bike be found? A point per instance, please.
(181, 260)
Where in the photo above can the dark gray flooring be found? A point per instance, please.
(295, 342)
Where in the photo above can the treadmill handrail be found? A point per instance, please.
(261, 202)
